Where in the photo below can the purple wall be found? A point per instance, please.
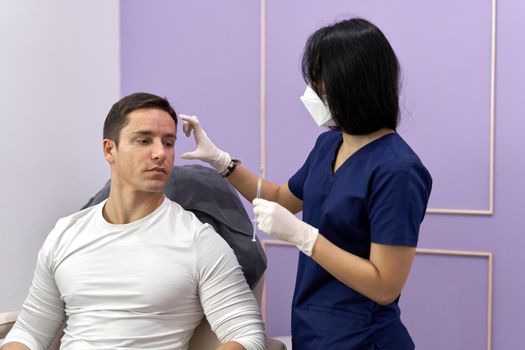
(205, 57)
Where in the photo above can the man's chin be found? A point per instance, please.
(155, 187)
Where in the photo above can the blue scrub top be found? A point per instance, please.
(378, 195)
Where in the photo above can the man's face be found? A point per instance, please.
(143, 159)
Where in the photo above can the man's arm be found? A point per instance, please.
(42, 313)
(227, 301)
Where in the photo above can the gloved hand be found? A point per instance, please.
(278, 222)
(206, 150)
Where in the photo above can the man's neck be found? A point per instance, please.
(124, 208)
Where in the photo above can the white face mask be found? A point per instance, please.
(317, 108)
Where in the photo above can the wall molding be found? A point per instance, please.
(490, 209)
(446, 211)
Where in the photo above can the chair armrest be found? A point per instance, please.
(7, 320)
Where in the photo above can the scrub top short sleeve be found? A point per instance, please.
(397, 203)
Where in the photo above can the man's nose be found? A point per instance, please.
(159, 151)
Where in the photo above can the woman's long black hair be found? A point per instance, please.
(353, 64)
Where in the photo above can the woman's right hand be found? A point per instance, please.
(206, 150)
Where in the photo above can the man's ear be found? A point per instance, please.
(109, 147)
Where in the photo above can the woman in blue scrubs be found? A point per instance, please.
(363, 192)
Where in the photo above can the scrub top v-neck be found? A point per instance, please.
(378, 195)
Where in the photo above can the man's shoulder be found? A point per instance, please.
(68, 227)
(192, 224)
(184, 220)
(177, 211)
(81, 215)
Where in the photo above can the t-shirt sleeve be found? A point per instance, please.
(227, 301)
(398, 202)
(42, 313)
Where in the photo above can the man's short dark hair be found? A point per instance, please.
(118, 115)
(359, 70)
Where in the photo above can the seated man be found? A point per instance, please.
(137, 270)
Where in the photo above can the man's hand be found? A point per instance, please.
(278, 222)
(206, 150)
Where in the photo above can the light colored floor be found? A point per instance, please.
(287, 340)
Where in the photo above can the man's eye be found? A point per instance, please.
(169, 142)
(143, 141)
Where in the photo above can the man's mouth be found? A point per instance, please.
(158, 170)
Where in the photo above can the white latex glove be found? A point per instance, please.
(206, 150)
(278, 222)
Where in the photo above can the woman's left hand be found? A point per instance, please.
(278, 222)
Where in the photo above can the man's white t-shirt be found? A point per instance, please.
(142, 285)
